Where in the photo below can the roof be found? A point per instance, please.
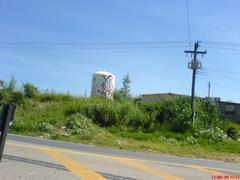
(162, 94)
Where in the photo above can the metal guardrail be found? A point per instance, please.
(5, 120)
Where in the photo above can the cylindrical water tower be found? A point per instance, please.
(103, 84)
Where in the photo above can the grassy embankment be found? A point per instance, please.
(163, 128)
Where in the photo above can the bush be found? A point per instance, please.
(79, 124)
(213, 135)
(108, 113)
(117, 96)
(207, 114)
(138, 120)
(7, 97)
(30, 91)
(191, 140)
(17, 97)
(102, 114)
(170, 115)
(232, 132)
(45, 127)
(173, 114)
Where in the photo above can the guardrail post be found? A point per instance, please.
(7, 117)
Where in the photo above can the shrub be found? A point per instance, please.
(137, 120)
(30, 91)
(207, 114)
(173, 114)
(108, 113)
(232, 132)
(191, 140)
(45, 127)
(102, 114)
(19, 126)
(7, 97)
(117, 96)
(79, 124)
(17, 97)
(213, 135)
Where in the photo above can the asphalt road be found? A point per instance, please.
(36, 158)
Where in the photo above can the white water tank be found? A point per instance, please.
(103, 84)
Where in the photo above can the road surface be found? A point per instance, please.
(30, 158)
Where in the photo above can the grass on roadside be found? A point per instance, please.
(125, 125)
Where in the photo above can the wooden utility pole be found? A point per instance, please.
(194, 65)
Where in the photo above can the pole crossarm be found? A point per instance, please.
(197, 52)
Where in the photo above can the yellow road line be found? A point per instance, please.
(210, 170)
(75, 167)
(147, 169)
(203, 169)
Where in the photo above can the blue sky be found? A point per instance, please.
(52, 31)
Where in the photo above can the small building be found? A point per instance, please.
(157, 96)
(230, 110)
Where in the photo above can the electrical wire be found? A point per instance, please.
(222, 48)
(216, 83)
(128, 43)
(120, 44)
(203, 75)
(220, 78)
(222, 71)
(89, 48)
(188, 23)
(221, 43)
(94, 45)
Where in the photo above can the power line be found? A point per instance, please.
(216, 83)
(223, 71)
(219, 78)
(89, 48)
(221, 43)
(188, 23)
(215, 43)
(94, 43)
(223, 48)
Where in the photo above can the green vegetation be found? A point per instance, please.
(124, 93)
(125, 90)
(164, 127)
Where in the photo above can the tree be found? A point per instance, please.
(125, 90)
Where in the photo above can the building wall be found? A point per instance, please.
(230, 110)
(157, 97)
